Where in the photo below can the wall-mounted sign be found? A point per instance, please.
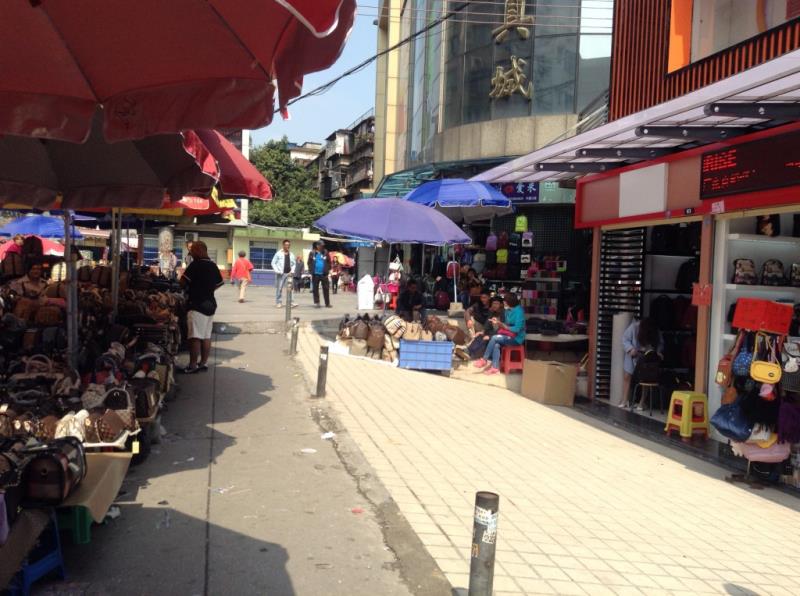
(513, 18)
(757, 165)
(508, 81)
(519, 192)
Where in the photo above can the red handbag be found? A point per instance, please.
(506, 333)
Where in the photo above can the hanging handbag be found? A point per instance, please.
(790, 379)
(764, 367)
(395, 326)
(724, 376)
(413, 332)
(730, 422)
(375, 338)
(789, 421)
(359, 329)
(455, 334)
(742, 361)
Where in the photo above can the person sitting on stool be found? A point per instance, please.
(410, 305)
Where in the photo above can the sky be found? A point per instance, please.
(315, 118)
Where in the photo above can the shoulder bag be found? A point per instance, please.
(724, 376)
(764, 367)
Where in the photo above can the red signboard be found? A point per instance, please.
(754, 314)
(701, 294)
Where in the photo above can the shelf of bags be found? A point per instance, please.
(772, 240)
(678, 292)
(536, 315)
(657, 254)
(552, 280)
(763, 289)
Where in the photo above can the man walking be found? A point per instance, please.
(283, 266)
(319, 266)
(200, 280)
(297, 276)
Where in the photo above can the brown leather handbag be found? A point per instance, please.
(54, 471)
(456, 335)
(104, 428)
(48, 316)
(724, 376)
(375, 339)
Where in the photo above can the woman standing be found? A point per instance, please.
(241, 273)
(510, 332)
(638, 338)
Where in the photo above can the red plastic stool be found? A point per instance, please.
(512, 358)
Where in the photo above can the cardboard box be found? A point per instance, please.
(549, 382)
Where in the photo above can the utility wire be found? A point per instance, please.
(451, 13)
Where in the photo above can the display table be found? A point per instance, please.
(104, 475)
(563, 338)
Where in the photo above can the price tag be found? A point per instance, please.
(135, 448)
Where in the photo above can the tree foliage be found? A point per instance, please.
(295, 203)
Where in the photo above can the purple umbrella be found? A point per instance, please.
(393, 221)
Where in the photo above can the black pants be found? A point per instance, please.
(335, 283)
(315, 281)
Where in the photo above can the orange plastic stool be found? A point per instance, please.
(512, 358)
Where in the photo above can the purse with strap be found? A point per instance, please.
(742, 361)
(724, 376)
(54, 471)
(764, 367)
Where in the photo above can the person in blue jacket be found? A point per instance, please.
(510, 332)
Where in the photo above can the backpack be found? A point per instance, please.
(479, 262)
(501, 272)
(502, 256)
(662, 311)
(768, 225)
(491, 259)
(688, 274)
(467, 258)
(525, 258)
(687, 238)
(515, 240)
(663, 239)
(502, 240)
(527, 239)
(453, 269)
(794, 276)
(12, 265)
(744, 272)
(85, 274)
(521, 223)
(442, 300)
(514, 256)
(491, 242)
(772, 273)
(648, 367)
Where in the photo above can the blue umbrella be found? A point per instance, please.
(393, 221)
(37, 225)
(461, 200)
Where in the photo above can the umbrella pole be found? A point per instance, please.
(116, 220)
(72, 294)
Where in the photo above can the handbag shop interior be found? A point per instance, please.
(736, 371)
(70, 427)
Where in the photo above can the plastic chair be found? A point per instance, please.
(512, 358)
(681, 415)
(44, 559)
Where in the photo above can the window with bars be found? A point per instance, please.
(261, 254)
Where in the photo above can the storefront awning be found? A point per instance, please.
(764, 96)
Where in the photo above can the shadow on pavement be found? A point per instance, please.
(158, 550)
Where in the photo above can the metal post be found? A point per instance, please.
(484, 542)
(322, 373)
(288, 297)
(293, 340)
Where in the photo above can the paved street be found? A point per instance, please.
(230, 503)
(584, 509)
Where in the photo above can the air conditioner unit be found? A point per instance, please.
(191, 236)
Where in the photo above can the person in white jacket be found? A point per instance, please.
(283, 264)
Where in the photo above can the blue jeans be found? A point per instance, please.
(493, 348)
(280, 284)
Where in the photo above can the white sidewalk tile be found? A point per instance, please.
(584, 509)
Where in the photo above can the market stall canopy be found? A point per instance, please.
(33, 172)
(391, 220)
(760, 97)
(159, 67)
(37, 225)
(49, 247)
(461, 200)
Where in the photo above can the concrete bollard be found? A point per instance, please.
(484, 543)
(322, 373)
(293, 340)
(288, 300)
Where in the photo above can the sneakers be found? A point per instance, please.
(329, 306)
(491, 371)
(480, 363)
(279, 306)
(317, 306)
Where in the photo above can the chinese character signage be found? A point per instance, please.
(508, 81)
(519, 192)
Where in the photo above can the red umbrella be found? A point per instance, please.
(158, 66)
(238, 177)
